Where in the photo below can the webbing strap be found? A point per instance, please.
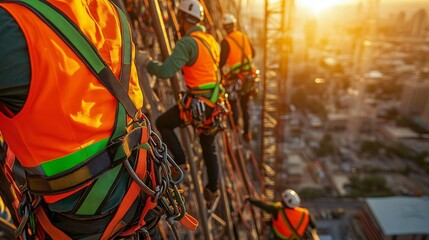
(295, 234)
(207, 101)
(149, 203)
(116, 224)
(194, 91)
(102, 161)
(243, 56)
(101, 187)
(48, 226)
(98, 192)
(88, 170)
(77, 41)
(105, 182)
(215, 93)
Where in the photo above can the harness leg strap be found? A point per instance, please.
(48, 226)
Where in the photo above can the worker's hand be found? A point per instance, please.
(146, 61)
(143, 58)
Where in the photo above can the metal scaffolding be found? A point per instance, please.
(277, 46)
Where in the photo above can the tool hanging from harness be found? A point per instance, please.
(133, 167)
(240, 80)
(205, 109)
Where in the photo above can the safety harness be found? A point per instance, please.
(138, 156)
(294, 234)
(241, 80)
(205, 109)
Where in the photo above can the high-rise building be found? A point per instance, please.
(415, 97)
(419, 23)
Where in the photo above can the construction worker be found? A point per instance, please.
(197, 55)
(66, 126)
(236, 56)
(289, 221)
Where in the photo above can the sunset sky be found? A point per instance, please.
(320, 6)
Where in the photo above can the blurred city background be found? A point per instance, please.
(354, 110)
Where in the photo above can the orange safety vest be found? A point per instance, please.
(235, 55)
(203, 73)
(69, 115)
(299, 219)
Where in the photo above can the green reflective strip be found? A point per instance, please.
(103, 184)
(215, 94)
(76, 38)
(98, 192)
(279, 234)
(126, 38)
(207, 86)
(236, 68)
(65, 163)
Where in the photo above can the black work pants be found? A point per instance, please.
(243, 100)
(166, 123)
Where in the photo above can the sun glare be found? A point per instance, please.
(318, 6)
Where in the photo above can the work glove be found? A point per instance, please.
(143, 58)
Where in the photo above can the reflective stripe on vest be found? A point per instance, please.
(72, 123)
(235, 55)
(203, 73)
(298, 217)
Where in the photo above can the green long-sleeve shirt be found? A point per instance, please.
(14, 64)
(184, 53)
(271, 208)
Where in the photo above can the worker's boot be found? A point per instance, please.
(210, 196)
(246, 136)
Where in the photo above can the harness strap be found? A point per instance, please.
(149, 203)
(116, 225)
(47, 225)
(88, 170)
(215, 92)
(194, 91)
(117, 150)
(295, 234)
(73, 36)
(99, 192)
(207, 101)
(185, 115)
(243, 56)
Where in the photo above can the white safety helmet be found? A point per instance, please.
(291, 198)
(228, 18)
(192, 8)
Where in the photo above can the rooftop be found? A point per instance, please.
(401, 215)
(400, 132)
